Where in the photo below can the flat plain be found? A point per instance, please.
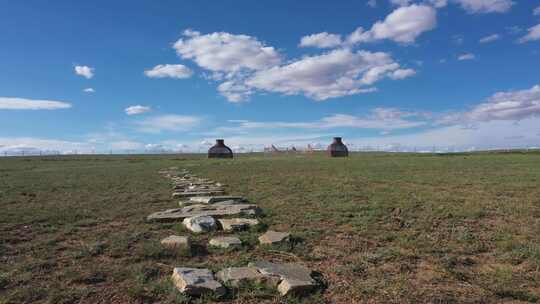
(377, 227)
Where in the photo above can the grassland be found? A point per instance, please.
(380, 228)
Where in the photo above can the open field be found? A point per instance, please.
(380, 228)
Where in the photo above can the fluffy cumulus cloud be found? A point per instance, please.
(532, 35)
(177, 71)
(337, 73)
(84, 71)
(225, 52)
(138, 109)
(490, 38)
(403, 25)
(13, 103)
(89, 90)
(321, 40)
(512, 105)
(170, 122)
(243, 66)
(485, 6)
(466, 56)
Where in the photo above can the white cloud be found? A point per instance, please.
(372, 3)
(532, 35)
(403, 25)
(89, 90)
(321, 40)
(13, 103)
(225, 52)
(485, 6)
(492, 134)
(379, 118)
(85, 71)
(536, 11)
(338, 73)
(437, 3)
(402, 74)
(31, 145)
(512, 105)
(177, 71)
(243, 66)
(126, 145)
(467, 56)
(138, 109)
(170, 122)
(490, 38)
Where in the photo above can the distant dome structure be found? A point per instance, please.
(219, 150)
(337, 148)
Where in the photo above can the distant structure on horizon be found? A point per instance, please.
(219, 150)
(337, 148)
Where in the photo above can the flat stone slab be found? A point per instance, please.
(295, 278)
(176, 242)
(216, 210)
(195, 193)
(237, 224)
(196, 282)
(225, 242)
(274, 237)
(235, 276)
(199, 224)
(216, 199)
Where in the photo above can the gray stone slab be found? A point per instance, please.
(237, 224)
(176, 242)
(204, 210)
(273, 237)
(225, 242)
(195, 193)
(216, 199)
(295, 278)
(196, 282)
(235, 276)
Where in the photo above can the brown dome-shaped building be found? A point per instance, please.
(337, 148)
(219, 150)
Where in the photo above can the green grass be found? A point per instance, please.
(379, 228)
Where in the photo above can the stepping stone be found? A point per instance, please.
(196, 282)
(196, 193)
(235, 276)
(204, 210)
(200, 224)
(176, 242)
(237, 224)
(273, 237)
(225, 242)
(216, 199)
(295, 278)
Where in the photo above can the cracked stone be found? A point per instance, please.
(196, 282)
(237, 224)
(273, 237)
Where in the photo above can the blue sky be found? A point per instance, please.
(175, 75)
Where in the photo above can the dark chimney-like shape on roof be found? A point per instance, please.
(337, 148)
(219, 150)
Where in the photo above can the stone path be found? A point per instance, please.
(206, 207)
